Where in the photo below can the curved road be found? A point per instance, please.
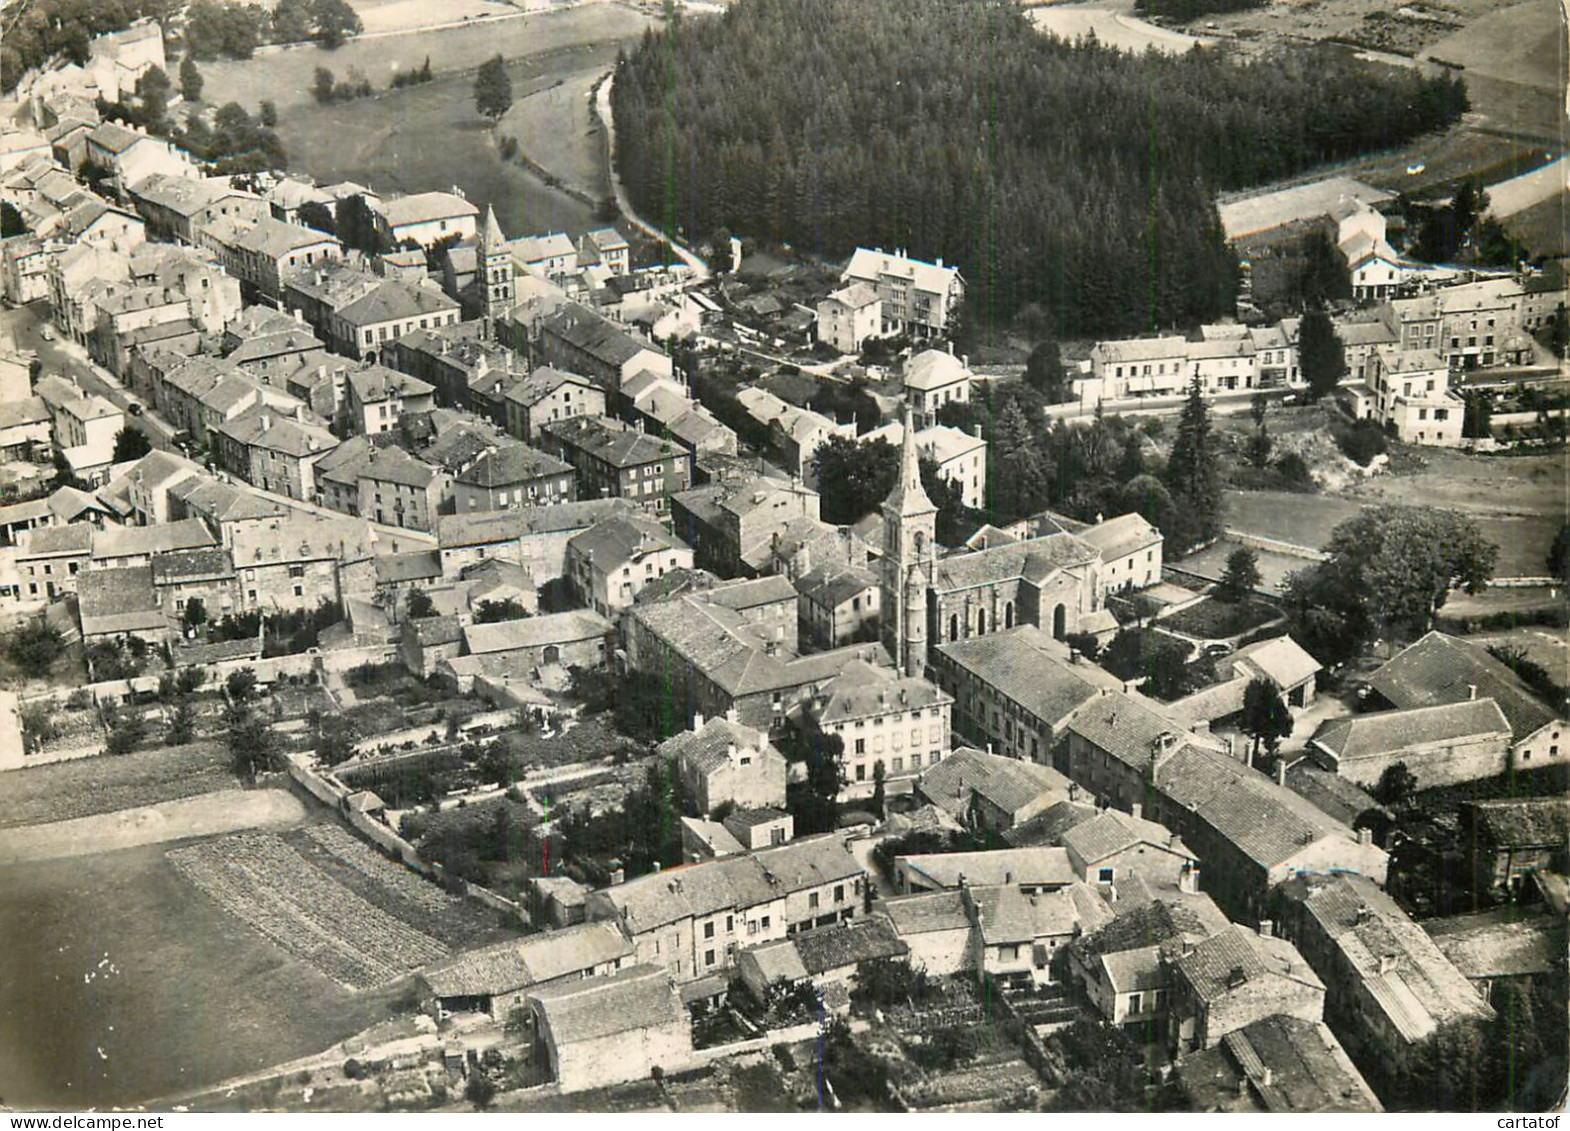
(602, 107)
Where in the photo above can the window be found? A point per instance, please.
(1135, 1001)
(861, 744)
(765, 922)
(839, 893)
(708, 930)
(708, 958)
(1104, 876)
(861, 771)
(730, 923)
(1008, 953)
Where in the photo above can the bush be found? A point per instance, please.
(353, 1069)
(35, 647)
(1361, 441)
(1085, 643)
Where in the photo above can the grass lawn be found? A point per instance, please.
(117, 953)
(63, 790)
(285, 76)
(557, 129)
(1215, 619)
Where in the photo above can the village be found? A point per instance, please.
(588, 672)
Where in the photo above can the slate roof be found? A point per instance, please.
(599, 337)
(489, 527)
(119, 600)
(1414, 984)
(871, 264)
(654, 900)
(1506, 942)
(393, 299)
(1008, 783)
(542, 382)
(834, 948)
(1026, 666)
(639, 997)
(1381, 732)
(1441, 669)
(512, 965)
(276, 239)
(262, 426)
(621, 447)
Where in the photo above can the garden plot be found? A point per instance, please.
(261, 880)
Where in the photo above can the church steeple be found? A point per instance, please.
(909, 548)
(493, 271)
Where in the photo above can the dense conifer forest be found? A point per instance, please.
(1065, 174)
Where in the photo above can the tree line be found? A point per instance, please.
(1068, 175)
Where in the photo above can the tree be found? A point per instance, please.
(126, 732)
(251, 742)
(194, 613)
(190, 80)
(130, 444)
(863, 474)
(1193, 474)
(336, 21)
(293, 21)
(189, 679)
(323, 86)
(492, 88)
(35, 647)
(65, 474)
(1044, 372)
(268, 113)
(489, 612)
(418, 604)
(1265, 717)
(479, 1091)
(241, 685)
(182, 724)
(11, 222)
(1559, 332)
(153, 89)
(1321, 356)
(1242, 575)
(815, 803)
(877, 788)
(1396, 785)
(1559, 556)
(1395, 565)
(336, 735)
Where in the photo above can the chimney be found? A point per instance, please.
(299, 412)
(1267, 928)
(1136, 810)
(1268, 1078)
(1471, 691)
(697, 720)
(1387, 963)
(1188, 879)
(1365, 836)
(655, 867)
(730, 751)
(267, 421)
(1281, 771)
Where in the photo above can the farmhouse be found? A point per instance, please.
(592, 1032)
(497, 979)
(1440, 745)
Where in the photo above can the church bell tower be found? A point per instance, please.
(909, 549)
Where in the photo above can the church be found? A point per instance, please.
(1051, 572)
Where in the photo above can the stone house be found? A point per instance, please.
(497, 980)
(1234, 978)
(721, 761)
(1513, 838)
(610, 563)
(899, 722)
(1442, 745)
(512, 476)
(549, 394)
(593, 1032)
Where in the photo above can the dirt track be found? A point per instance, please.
(223, 812)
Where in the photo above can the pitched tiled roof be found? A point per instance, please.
(832, 584)
(1028, 867)
(119, 600)
(1125, 726)
(1278, 1064)
(416, 565)
(1028, 667)
(834, 948)
(131, 541)
(1034, 561)
(1407, 975)
(1008, 783)
(393, 299)
(639, 997)
(599, 337)
(620, 446)
(262, 426)
(1382, 732)
(1118, 537)
(708, 748)
(1113, 832)
(512, 463)
(488, 527)
(421, 207)
(535, 632)
(1524, 822)
(1280, 659)
(927, 912)
(377, 383)
(1441, 669)
(275, 239)
(862, 691)
(541, 383)
(1220, 964)
(512, 965)
(188, 565)
(652, 901)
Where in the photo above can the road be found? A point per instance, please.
(602, 107)
(68, 359)
(1222, 403)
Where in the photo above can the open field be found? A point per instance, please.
(285, 76)
(557, 130)
(1113, 24)
(65, 790)
(207, 815)
(132, 985)
(300, 900)
(382, 17)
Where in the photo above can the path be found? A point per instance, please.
(226, 811)
(602, 107)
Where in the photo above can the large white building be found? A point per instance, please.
(961, 457)
(918, 298)
(1410, 390)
